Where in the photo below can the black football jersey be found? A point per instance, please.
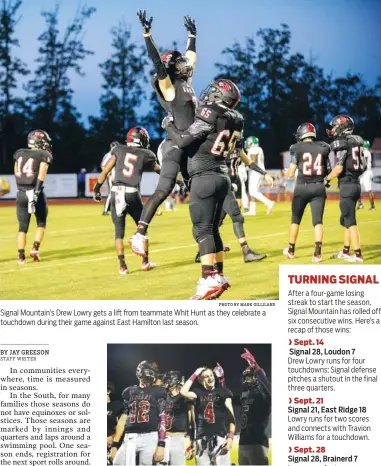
(130, 163)
(221, 128)
(233, 161)
(182, 107)
(349, 152)
(114, 410)
(255, 413)
(210, 411)
(176, 414)
(312, 160)
(28, 165)
(143, 407)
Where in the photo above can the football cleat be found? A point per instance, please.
(372, 208)
(35, 255)
(147, 266)
(137, 243)
(251, 256)
(288, 254)
(358, 259)
(105, 213)
(222, 280)
(208, 288)
(123, 270)
(360, 206)
(21, 261)
(270, 207)
(341, 255)
(316, 258)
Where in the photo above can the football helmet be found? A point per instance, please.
(221, 90)
(340, 126)
(147, 371)
(138, 135)
(249, 377)
(366, 144)
(39, 139)
(114, 144)
(251, 141)
(305, 130)
(172, 378)
(177, 64)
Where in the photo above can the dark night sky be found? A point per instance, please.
(122, 360)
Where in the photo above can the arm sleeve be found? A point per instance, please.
(256, 168)
(156, 59)
(264, 382)
(161, 408)
(191, 44)
(198, 130)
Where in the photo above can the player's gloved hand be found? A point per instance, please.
(144, 21)
(218, 370)
(166, 120)
(249, 358)
(97, 196)
(190, 25)
(269, 179)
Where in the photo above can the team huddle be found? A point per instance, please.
(204, 144)
(164, 420)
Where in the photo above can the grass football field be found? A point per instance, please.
(78, 259)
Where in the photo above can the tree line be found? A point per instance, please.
(279, 90)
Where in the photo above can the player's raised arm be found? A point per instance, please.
(190, 26)
(185, 390)
(101, 179)
(164, 81)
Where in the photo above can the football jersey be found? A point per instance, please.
(210, 411)
(130, 163)
(233, 161)
(258, 151)
(114, 410)
(182, 107)
(311, 160)
(143, 407)
(176, 414)
(349, 152)
(368, 159)
(28, 165)
(255, 413)
(217, 128)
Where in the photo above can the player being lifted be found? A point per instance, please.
(143, 421)
(129, 161)
(349, 167)
(30, 169)
(179, 414)
(255, 403)
(311, 159)
(212, 406)
(172, 83)
(366, 177)
(256, 155)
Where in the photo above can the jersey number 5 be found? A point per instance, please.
(129, 169)
(26, 169)
(224, 143)
(312, 167)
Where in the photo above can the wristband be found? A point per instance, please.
(115, 444)
(193, 377)
(191, 46)
(161, 443)
(97, 187)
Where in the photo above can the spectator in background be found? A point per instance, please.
(82, 182)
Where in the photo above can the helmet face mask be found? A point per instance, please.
(172, 379)
(39, 139)
(147, 372)
(304, 131)
(221, 91)
(249, 378)
(139, 136)
(341, 125)
(177, 65)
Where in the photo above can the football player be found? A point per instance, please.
(212, 406)
(349, 167)
(366, 177)
(172, 83)
(110, 178)
(143, 421)
(255, 153)
(30, 169)
(129, 161)
(212, 137)
(311, 159)
(255, 413)
(179, 421)
(114, 411)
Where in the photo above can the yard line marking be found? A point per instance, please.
(193, 245)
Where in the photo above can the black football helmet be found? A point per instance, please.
(177, 64)
(147, 371)
(221, 90)
(249, 377)
(172, 379)
(138, 135)
(340, 126)
(39, 139)
(305, 130)
(114, 144)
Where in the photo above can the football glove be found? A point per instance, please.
(166, 120)
(218, 370)
(190, 25)
(144, 21)
(249, 358)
